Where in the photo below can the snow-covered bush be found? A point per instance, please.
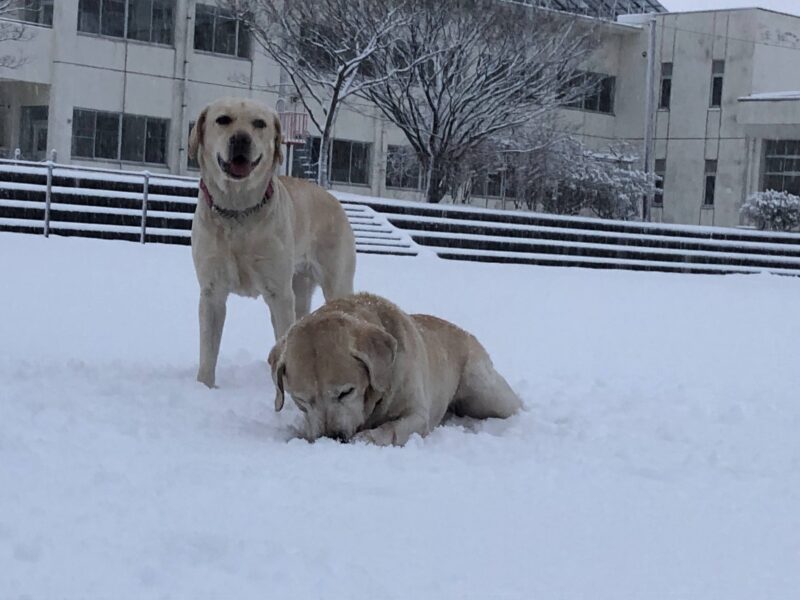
(777, 211)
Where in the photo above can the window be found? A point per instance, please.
(782, 166)
(149, 21)
(402, 168)
(218, 30)
(350, 161)
(39, 12)
(666, 86)
(305, 159)
(717, 75)
(498, 184)
(33, 132)
(599, 95)
(661, 173)
(113, 136)
(711, 183)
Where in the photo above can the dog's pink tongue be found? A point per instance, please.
(240, 168)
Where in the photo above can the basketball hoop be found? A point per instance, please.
(295, 127)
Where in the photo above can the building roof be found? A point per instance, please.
(602, 8)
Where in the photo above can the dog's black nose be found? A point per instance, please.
(239, 145)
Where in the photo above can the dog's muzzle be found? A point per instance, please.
(239, 165)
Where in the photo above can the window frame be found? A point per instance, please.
(351, 144)
(660, 169)
(313, 144)
(784, 152)
(603, 93)
(21, 11)
(240, 33)
(99, 32)
(717, 83)
(710, 183)
(665, 89)
(78, 112)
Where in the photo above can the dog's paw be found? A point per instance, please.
(206, 380)
(378, 437)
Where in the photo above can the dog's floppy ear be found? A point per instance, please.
(377, 349)
(197, 136)
(277, 365)
(277, 159)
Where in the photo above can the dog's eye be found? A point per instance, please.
(259, 123)
(224, 120)
(344, 393)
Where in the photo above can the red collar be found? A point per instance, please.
(229, 212)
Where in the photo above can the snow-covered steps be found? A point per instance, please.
(469, 233)
(99, 204)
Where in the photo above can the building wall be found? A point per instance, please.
(71, 69)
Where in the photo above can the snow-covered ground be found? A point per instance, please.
(658, 458)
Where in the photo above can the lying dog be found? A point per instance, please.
(360, 368)
(257, 234)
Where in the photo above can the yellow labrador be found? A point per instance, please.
(257, 234)
(360, 368)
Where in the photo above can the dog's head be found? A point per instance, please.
(236, 140)
(336, 369)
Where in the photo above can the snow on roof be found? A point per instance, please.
(771, 97)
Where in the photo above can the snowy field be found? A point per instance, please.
(658, 458)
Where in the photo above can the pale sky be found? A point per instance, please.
(787, 6)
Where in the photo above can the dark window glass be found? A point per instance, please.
(106, 140)
(359, 171)
(163, 21)
(225, 34)
(112, 21)
(606, 100)
(661, 173)
(219, 31)
(243, 42)
(711, 182)
(204, 28)
(89, 16)
(666, 86)
(133, 138)
(30, 11)
(83, 133)
(140, 13)
(494, 184)
(782, 165)
(340, 161)
(156, 141)
(717, 75)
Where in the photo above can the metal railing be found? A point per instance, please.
(51, 165)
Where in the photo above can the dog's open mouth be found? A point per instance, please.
(239, 166)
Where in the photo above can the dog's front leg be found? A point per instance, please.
(395, 433)
(281, 309)
(212, 320)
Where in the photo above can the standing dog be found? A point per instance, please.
(257, 234)
(360, 368)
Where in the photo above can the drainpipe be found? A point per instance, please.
(189, 35)
(649, 116)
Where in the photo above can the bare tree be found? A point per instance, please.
(327, 49)
(12, 29)
(490, 67)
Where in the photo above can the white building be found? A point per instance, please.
(117, 83)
